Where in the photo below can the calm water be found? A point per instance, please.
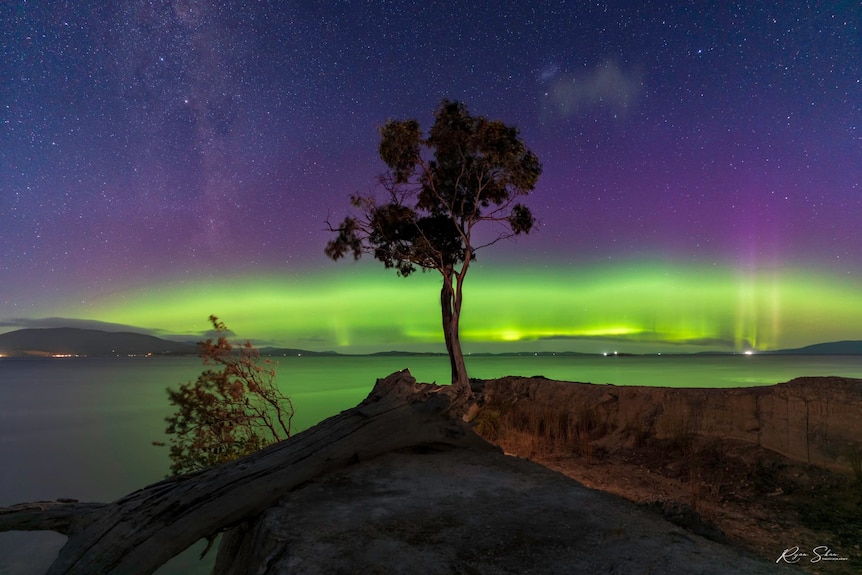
(83, 428)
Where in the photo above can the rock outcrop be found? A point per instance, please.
(458, 511)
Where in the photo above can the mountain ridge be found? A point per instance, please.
(844, 347)
(73, 341)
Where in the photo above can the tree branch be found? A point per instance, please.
(65, 516)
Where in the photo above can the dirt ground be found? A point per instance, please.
(729, 491)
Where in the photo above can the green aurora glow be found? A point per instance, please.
(636, 307)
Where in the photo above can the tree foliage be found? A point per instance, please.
(468, 170)
(231, 410)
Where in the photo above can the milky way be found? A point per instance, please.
(701, 184)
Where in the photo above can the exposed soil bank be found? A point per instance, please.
(814, 420)
(730, 464)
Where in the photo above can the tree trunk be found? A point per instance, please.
(138, 533)
(446, 311)
(450, 304)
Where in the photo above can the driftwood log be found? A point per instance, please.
(143, 530)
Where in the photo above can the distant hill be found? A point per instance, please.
(393, 353)
(830, 348)
(88, 342)
(97, 343)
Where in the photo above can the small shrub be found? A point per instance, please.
(228, 412)
(488, 424)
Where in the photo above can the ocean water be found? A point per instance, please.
(83, 428)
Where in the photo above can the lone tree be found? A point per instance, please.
(469, 170)
(227, 412)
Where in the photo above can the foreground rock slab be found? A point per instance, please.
(455, 510)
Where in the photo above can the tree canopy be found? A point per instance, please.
(468, 170)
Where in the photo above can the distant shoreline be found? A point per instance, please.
(336, 355)
(76, 342)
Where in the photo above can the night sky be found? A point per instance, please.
(161, 161)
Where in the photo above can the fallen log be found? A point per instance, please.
(64, 516)
(141, 531)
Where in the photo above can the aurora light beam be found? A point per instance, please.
(635, 307)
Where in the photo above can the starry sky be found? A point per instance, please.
(163, 160)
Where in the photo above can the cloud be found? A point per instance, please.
(606, 86)
(56, 322)
(213, 334)
(53, 322)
